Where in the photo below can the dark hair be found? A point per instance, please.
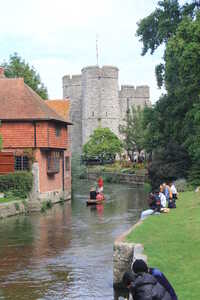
(128, 277)
(139, 266)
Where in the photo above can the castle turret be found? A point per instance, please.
(100, 99)
(72, 89)
(129, 96)
(95, 100)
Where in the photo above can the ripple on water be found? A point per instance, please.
(67, 252)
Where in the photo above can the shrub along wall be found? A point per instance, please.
(20, 183)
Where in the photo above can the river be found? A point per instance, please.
(66, 253)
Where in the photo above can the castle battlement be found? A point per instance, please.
(142, 91)
(72, 80)
(98, 72)
(97, 101)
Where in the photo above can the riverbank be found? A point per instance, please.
(171, 243)
(11, 207)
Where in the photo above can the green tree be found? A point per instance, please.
(132, 131)
(157, 28)
(17, 67)
(103, 143)
(174, 120)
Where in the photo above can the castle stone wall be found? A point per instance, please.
(72, 88)
(90, 100)
(97, 101)
(109, 102)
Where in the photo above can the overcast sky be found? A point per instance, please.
(59, 38)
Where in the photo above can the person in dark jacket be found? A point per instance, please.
(139, 266)
(144, 286)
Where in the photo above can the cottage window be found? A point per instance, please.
(21, 163)
(53, 162)
(67, 164)
(58, 131)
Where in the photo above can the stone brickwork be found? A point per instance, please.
(119, 177)
(97, 101)
(124, 254)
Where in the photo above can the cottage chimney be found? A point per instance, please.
(2, 72)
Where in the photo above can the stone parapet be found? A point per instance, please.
(123, 255)
(120, 178)
(13, 208)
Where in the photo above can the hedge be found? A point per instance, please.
(20, 182)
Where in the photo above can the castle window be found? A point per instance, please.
(106, 114)
(93, 113)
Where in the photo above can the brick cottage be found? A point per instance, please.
(36, 134)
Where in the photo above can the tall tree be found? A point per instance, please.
(157, 28)
(132, 131)
(174, 120)
(160, 25)
(17, 67)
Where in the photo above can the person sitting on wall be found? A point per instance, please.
(93, 193)
(140, 265)
(144, 286)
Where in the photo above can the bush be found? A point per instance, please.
(46, 205)
(182, 185)
(18, 184)
(111, 178)
(147, 187)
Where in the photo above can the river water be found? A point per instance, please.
(66, 253)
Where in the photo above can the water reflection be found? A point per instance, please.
(67, 252)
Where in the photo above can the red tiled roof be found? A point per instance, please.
(61, 107)
(19, 102)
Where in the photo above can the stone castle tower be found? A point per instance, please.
(97, 101)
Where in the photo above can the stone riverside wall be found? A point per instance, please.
(18, 207)
(123, 255)
(11, 209)
(119, 177)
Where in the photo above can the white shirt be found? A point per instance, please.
(173, 189)
(163, 199)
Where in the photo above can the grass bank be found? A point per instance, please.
(172, 243)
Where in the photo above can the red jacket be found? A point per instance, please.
(100, 182)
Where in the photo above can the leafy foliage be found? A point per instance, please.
(103, 143)
(132, 131)
(19, 183)
(169, 163)
(17, 67)
(161, 25)
(174, 120)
